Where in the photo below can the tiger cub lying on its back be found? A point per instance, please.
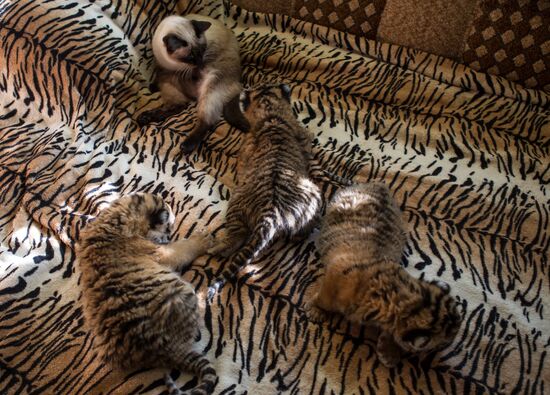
(361, 242)
(142, 314)
(274, 195)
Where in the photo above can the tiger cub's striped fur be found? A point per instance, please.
(274, 195)
(361, 242)
(142, 314)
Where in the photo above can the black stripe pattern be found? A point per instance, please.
(465, 154)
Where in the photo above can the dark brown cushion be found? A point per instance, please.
(285, 7)
(435, 26)
(511, 39)
(359, 17)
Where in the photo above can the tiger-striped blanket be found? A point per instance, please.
(466, 155)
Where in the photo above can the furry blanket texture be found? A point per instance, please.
(466, 155)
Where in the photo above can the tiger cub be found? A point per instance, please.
(142, 314)
(361, 242)
(274, 195)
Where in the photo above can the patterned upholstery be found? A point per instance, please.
(512, 39)
(360, 17)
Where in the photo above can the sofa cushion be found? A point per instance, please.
(359, 17)
(435, 26)
(511, 39)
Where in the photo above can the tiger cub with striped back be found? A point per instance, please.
(361, 242)
(274, 195)
(141, 312)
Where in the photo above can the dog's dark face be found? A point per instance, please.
(188, 43)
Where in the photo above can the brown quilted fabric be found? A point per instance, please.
(512, 39)
(359, 17)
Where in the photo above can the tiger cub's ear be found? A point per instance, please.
(285, 89)
(417, 338)
(159, 217)
(244, 100)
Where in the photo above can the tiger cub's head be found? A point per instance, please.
(264, 102)
(430, 320)
(140, 214)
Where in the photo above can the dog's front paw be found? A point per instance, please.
(149, 117)
(189, 145)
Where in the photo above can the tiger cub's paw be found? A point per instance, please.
(220, 247)
(388, 360)
(389, 353)
(215, 249)
(202, 242)
(314, 313)
(207, 240)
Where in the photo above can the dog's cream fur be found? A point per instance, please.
(215, 83)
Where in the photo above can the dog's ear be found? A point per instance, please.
(200, 27)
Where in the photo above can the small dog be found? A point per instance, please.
(197, 59)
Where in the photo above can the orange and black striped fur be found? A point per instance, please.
(275, 195)
(140, 311)
(361, 242)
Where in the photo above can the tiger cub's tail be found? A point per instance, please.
(261, 237)
(338, 179)
(198, 364)
(322, 175)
